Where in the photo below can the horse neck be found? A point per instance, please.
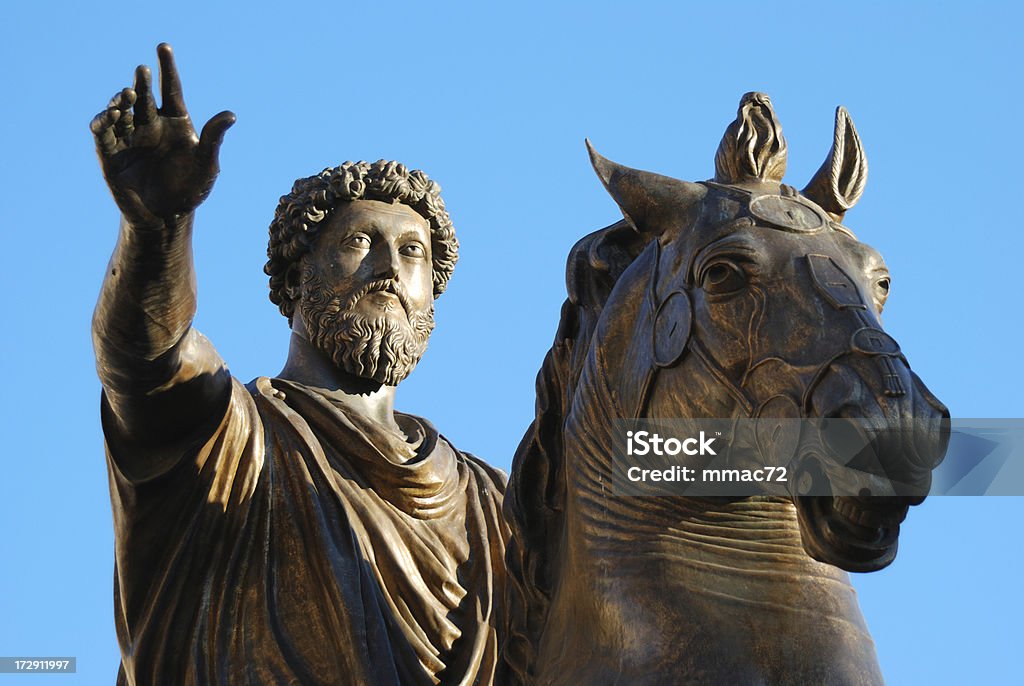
(749, 530)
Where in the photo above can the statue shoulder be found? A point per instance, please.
(226, 427)
(496, 476)
(486, 474)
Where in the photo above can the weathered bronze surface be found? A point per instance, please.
(296, 529)
(738, 297)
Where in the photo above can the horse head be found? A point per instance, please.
(753, 300)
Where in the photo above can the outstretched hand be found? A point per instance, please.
(153, 162)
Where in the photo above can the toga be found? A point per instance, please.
(298, 543)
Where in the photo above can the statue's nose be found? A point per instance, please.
(386, 261)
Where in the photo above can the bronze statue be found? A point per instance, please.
(297, 529)
(736, 298)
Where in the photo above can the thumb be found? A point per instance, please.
(211, 138)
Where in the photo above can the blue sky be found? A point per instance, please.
(494, 103)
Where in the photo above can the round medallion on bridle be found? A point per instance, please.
(776, 432)
(788, 214)
(671, 329)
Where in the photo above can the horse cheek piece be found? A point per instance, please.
(737, 298)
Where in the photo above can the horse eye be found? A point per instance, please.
(881, 293)
(722, 277)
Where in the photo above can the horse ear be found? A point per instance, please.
(839, 183)
(651, 203)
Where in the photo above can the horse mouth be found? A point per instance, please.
(855, 534)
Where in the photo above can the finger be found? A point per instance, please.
(172, 103)
(211, 138)
(104, 120)
(123, 99)
(125, 125)
(145, 105)
(122, 102)
(102, 127)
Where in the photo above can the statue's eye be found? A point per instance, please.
(722, 277)
(414, 250)
(358, 240)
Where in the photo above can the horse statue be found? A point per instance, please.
(737, 298)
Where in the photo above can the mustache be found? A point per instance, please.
(379, 348)
(381, 285)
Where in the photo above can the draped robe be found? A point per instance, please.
(302, 543)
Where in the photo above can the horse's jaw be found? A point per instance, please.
(841, 532)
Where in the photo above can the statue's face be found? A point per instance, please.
(367, 289)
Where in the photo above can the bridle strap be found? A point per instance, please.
(840, 291)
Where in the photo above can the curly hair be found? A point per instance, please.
(299, 216)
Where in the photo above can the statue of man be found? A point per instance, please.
(297, 529)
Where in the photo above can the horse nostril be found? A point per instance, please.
(844, 439)
(835, 390)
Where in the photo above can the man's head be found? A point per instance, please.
(359, 252)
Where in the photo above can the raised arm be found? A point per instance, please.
(162, 379)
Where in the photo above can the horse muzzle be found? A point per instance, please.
(896, 436)
(882, 432)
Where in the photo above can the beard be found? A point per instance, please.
(385, 349)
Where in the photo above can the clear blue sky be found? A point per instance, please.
(494, 103)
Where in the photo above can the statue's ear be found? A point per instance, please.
(292, 282)
(839, 183)
(651, 203)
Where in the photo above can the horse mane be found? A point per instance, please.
(534, 501)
